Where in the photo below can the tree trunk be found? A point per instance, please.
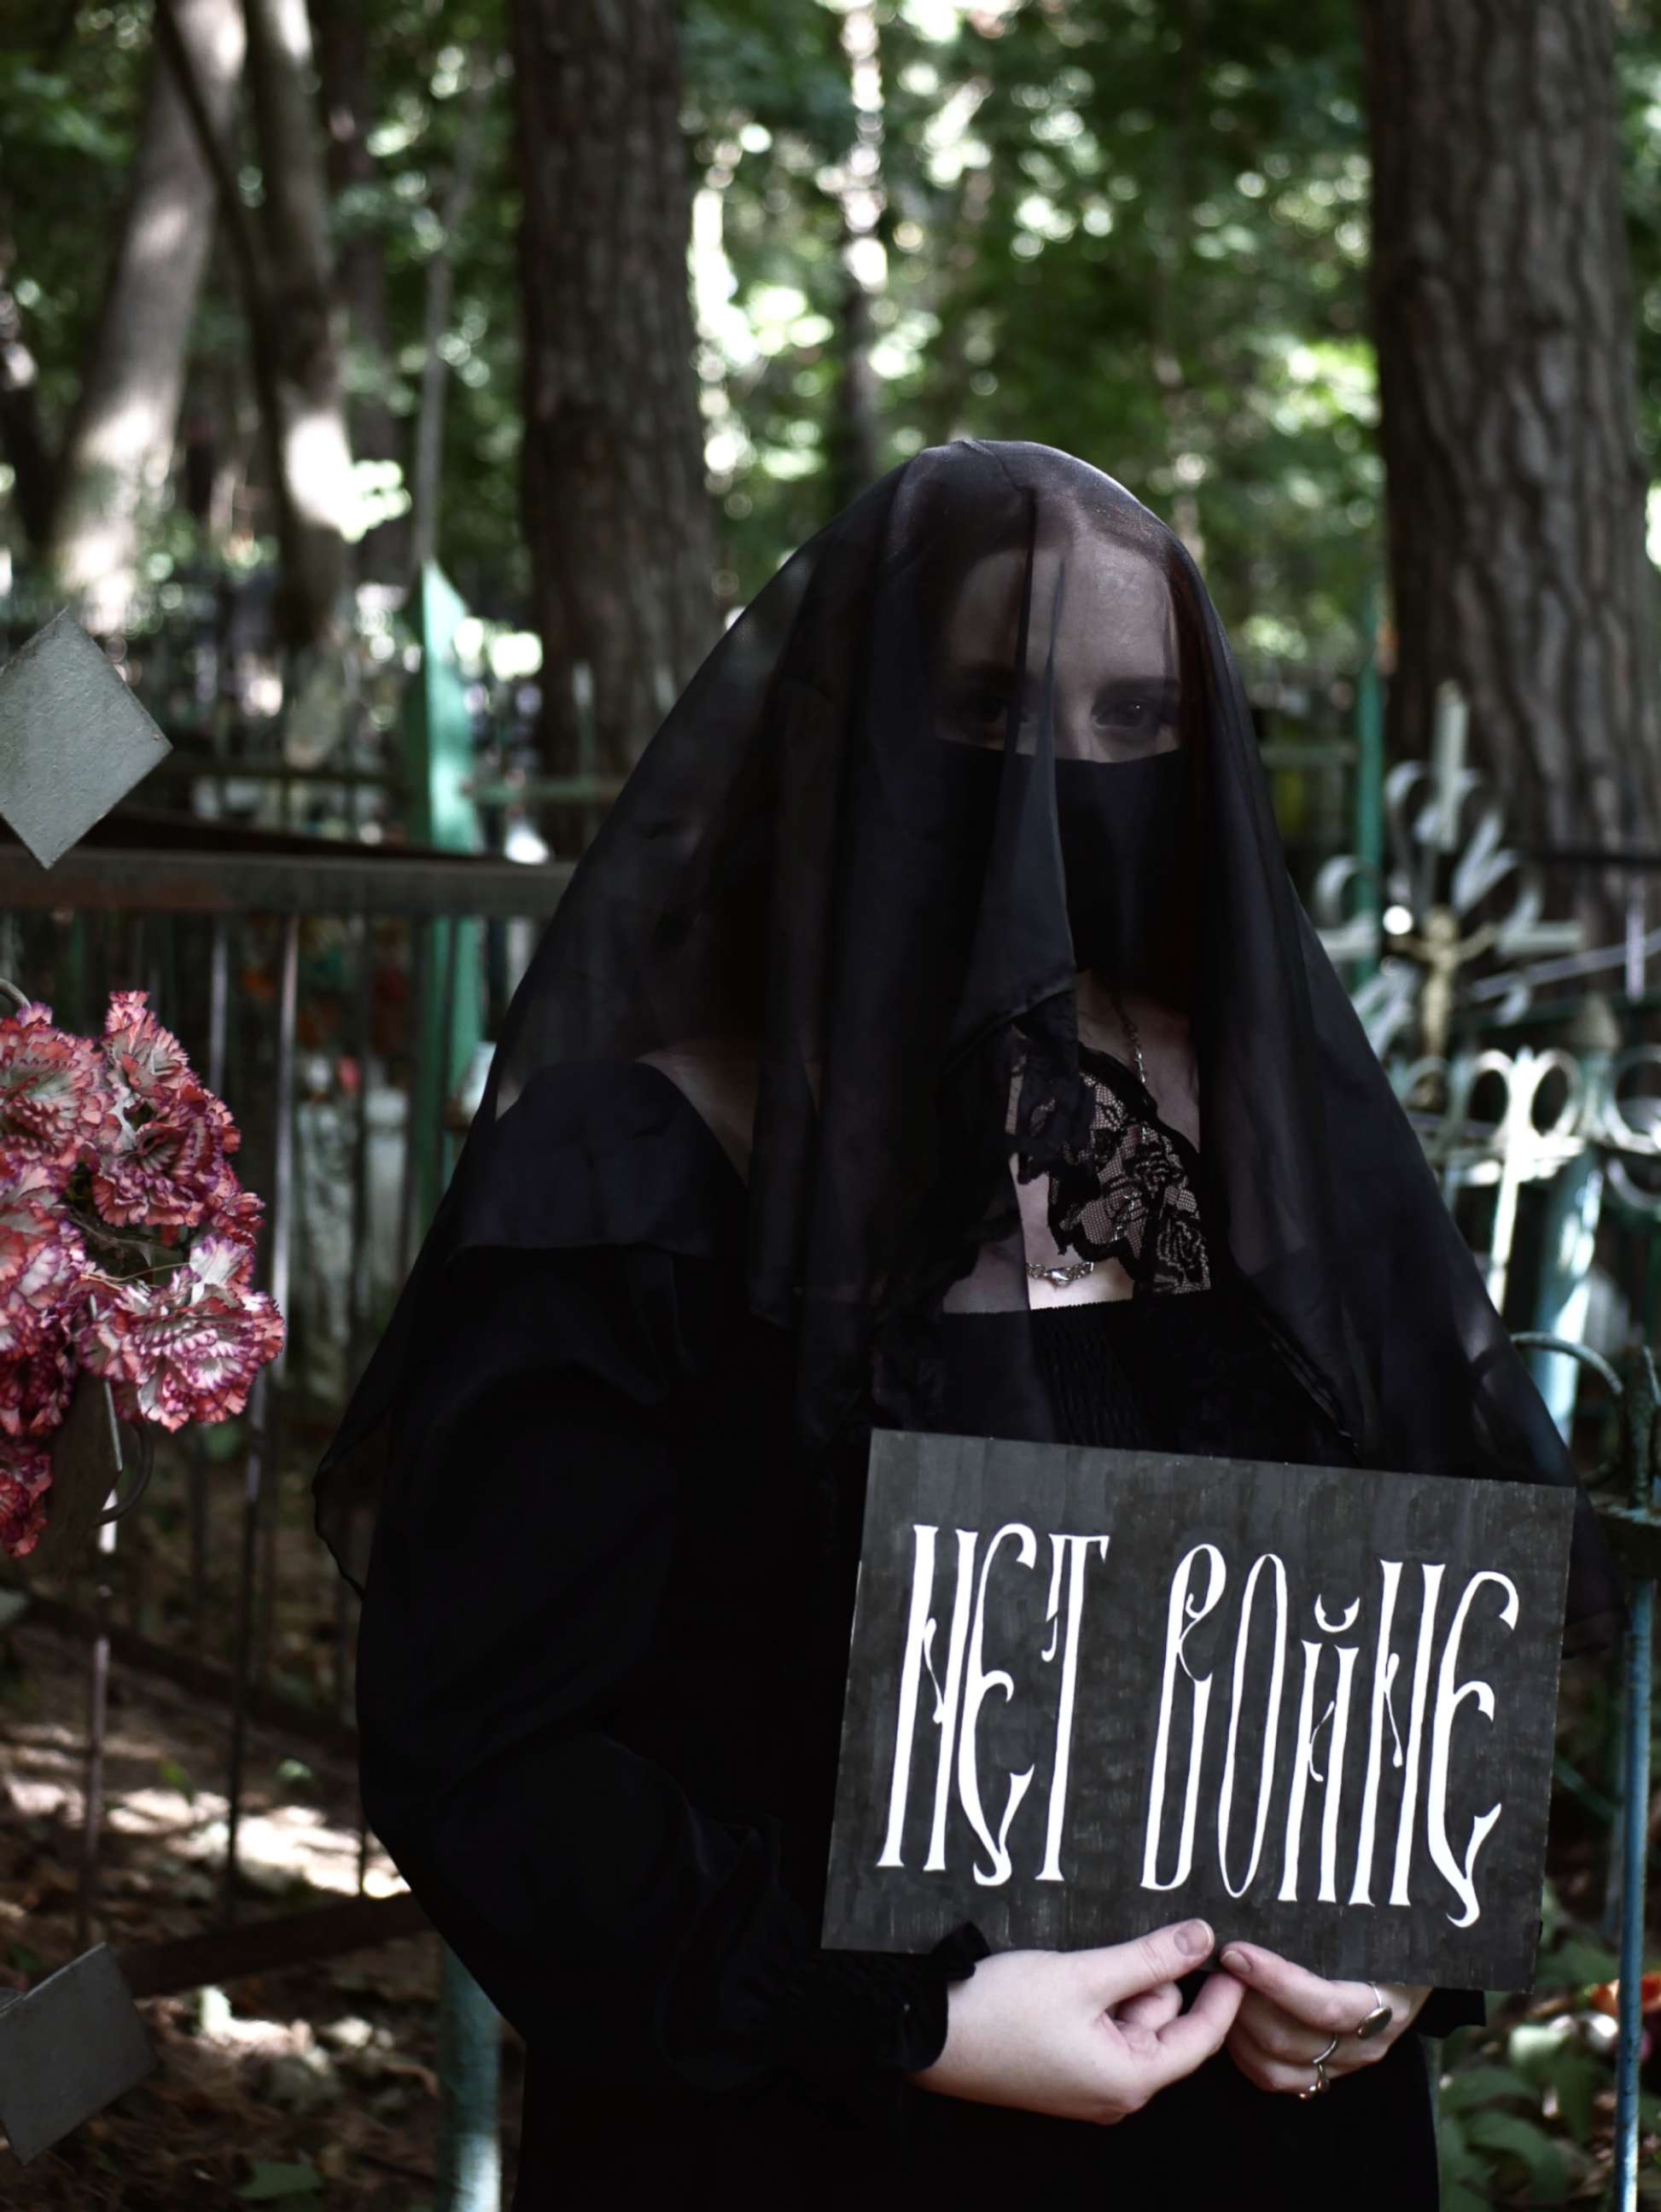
(316, 456)
(1175, 271)
(115, 458)
(1501, 306)
(617, 515)
(22, 435)
(377, 434)
(427, 473)
(855, 441)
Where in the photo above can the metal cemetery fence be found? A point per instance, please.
(392, 949)
(1540, 1151)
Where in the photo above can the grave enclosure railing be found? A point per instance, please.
(1536, 1150)
(335, 1001)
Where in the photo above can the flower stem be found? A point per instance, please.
(100, 1232)
(22, 997)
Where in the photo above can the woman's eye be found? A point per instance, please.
(1129, 718)
(983, 714)
(1131, 714)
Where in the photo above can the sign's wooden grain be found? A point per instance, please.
(1091, 1692)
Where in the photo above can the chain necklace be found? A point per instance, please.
(1060, 1275)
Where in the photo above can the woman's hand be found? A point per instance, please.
(1082, 2035)
(1290, 2015)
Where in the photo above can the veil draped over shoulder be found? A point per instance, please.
(840, 864)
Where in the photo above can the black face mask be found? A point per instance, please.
(968, 779)
(1126, 847)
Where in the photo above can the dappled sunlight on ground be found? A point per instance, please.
(321, 2071)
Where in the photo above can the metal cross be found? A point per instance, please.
(1447, 857)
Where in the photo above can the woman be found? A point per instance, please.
(931, 1038)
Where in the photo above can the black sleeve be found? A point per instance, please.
(1444, 2010)
(519, 1559)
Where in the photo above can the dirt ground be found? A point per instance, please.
(309, 2088)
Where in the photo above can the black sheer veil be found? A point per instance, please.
(840, 865)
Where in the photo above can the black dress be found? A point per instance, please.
(600, 1684)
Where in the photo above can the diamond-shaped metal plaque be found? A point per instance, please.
(73, 738)
(67, 2047)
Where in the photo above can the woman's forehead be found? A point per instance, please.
(1109, 606)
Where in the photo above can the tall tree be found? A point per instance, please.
(426, 474)
(345, 65)
(23, 434)
(856, 445)
(302, 328)
(1501, 303)
(616, 515)
(287, 285)
(115, 459)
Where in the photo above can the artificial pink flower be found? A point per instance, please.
(163, 1144)
(187, 1349)
(25, 1478)
(34, 1389)
(52, 1098)
(215, 1263)
(162, 1173)
(236, 1213)
(42, 1261)
(145, 1058)
(230, 1136)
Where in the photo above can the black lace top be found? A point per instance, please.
(1131, 1192)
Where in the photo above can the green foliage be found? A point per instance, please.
(1104, 232)
(1518, 2102)
(1517, 2143)
(270, 2183)
(1483, 2085)
(1492, 2135)
(420, 56)
(172, 1776)
(1135, 232)
(71, 89)
(1574, 1964)
(1182, 211)
(1554, 2059)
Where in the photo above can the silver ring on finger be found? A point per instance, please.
(1378, 2019)
(1320, 2086)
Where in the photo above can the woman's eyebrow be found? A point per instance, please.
(1160, 686)
(1156, 684)
(981, 672)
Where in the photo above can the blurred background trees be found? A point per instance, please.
(483, 278)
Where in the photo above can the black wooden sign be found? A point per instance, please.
(1092, 1692)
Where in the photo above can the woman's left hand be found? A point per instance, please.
(1290, 2015)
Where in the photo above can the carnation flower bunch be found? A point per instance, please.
(126, 1241)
